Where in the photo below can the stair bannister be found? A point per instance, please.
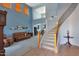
(56, 37)
(61, 20)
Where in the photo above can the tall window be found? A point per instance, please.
(39, 12)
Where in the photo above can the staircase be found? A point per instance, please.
(48, 42)
(50, 38)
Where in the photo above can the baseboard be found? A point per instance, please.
(74, 44)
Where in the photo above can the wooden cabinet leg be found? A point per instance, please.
(2, 52)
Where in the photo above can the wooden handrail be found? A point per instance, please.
(65, 15)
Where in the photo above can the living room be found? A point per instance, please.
(14, 34)
(18, 26)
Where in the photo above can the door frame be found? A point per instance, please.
(36, 26)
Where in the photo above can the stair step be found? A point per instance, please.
(51, 32)
(49, 37)
(49, 48)
(53, 29)
(48, 43)
(51, 41)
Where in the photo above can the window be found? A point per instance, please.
(39, 12)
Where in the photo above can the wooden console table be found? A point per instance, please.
(68, 37)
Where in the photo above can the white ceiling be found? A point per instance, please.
(34, 4)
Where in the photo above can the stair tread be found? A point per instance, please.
(48, 43)
(49, 37)
(49, 48)
(51, 32)
(52, 41)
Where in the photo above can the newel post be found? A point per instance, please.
(38, 39)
